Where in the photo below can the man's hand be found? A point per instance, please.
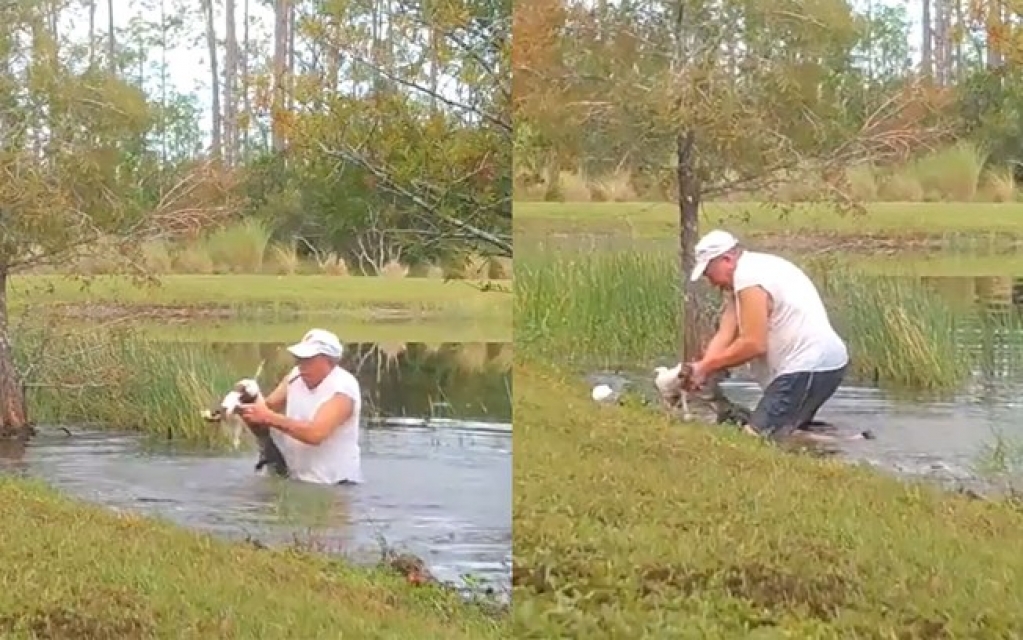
(698, 373)
(256, 414)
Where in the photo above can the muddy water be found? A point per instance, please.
(436, 446)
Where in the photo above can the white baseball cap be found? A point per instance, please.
(317, 342)
(713, 245)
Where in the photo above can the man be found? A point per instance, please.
(774, 319)
(318, 431)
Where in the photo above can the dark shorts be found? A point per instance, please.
(792, 400)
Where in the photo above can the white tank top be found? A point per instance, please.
(799, 333)
(338, 457)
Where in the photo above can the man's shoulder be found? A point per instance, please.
(345, 381)
(760, 265)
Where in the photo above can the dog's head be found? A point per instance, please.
(245, 391)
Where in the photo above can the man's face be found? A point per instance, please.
(721, 271)
(313, 370)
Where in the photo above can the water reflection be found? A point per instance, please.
(468, 381)
(991, 293)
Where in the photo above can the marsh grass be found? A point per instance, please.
(125, 381)
(601, 307)
(898, 331)
(123, 576)
(630, 525)
(612, 308)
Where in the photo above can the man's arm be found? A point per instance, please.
(279, 396)
(754, 306)
(328, 417)
(728, 327)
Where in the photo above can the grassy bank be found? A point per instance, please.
(618, 309)
(749, 219)
(248, 247)
(348, 297)
(720, 536)
(159, 581)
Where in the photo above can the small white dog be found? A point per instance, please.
(245, 391)
(673, 393)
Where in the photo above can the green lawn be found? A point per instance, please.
(661, 219)
(79, 571)
(628, 525)
(349, 296)
(429, 331)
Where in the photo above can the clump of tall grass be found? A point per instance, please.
(897, 330)
(614, 306)
(952, 173)
(601, 307)
(124, 381)
(241, 247)
(285, 259)
(999, 185)
(956, 173)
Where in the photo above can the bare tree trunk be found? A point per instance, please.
(111, 39)
(13, 413)
(163, 83)
(689, 193)
(994, 54)
(246, 104)
(92, 33)
(926, 52)
(211, 41)
(689, 219)
(281, 21)
(230, 83)
(289, 96)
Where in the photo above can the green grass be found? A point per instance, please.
(346, 296)
(604, 308)
(78, 571)
(628, 525)
(124, 381)
(653, 220)
(621, 309)
(430, 331)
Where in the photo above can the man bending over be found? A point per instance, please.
(773, 319)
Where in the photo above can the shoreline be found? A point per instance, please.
(162, 580)
(666, 527)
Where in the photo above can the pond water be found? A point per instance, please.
(949, 438)
(436, 444)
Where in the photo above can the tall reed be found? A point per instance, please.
(615, 308)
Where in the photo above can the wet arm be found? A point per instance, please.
(329, 417)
